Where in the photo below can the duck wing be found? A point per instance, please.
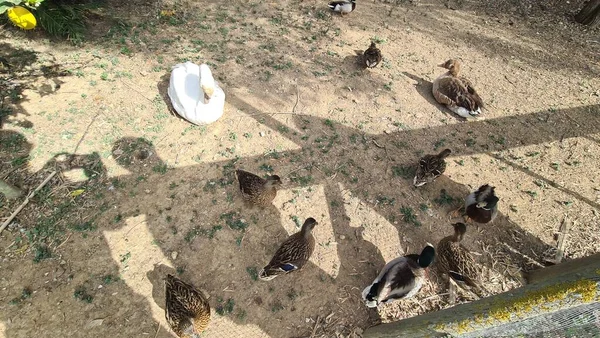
(291, 255)
(250, 184)
(396, 280)
(471, 90)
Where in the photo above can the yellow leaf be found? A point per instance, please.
(77, 192)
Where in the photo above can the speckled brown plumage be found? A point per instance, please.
(456, 260)
(430, 167)
(257, 190)
(293, 253)
(187, 310)
(372, 56)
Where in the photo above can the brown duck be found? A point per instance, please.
(372, 56)
(187, 310)
(293, 253)
(456, 92)
(257, 190)
(457, 261)
(430, 167)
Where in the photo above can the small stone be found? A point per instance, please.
(100, 286)
(261, 134)
(174, 255)
(342, 237)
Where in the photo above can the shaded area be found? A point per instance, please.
(184, 207)
(21, 69)
(222, 271)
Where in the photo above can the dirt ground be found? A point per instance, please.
(141, 193)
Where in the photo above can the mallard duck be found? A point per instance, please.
(430, 167)
(481, 205)
(372, 56)
(257, 190)
(195, 94)
(343, 7)
(400, 278)
(292, 254)
(187, 310)
(456, 92)
(456, 260)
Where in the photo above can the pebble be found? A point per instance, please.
(174, 255)
(342, 237)
(261, 134)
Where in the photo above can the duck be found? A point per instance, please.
(293, 253)
(343, 6)
(456, 92)
(194, 93)
(256, 190)
(372, 56)
(401, 278)
(457, 261)
(430, 167)
(481, 206)
(187, 310)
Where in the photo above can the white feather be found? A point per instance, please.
(470, 200)
(342, 8)
(465, 112)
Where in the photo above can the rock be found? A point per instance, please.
(174, 255)
(94, 323)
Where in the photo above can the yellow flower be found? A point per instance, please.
(167, 12)
(21, 17)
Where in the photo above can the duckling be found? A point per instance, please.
(399, 279)
(456, 92)
(187, 310)
(257, 190)
(430, 167)
(293, 253)
(343, 6)
(372, 56)
(457, 261)
(481, 205)
(207, 82)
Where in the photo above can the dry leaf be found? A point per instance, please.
(77, 192)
